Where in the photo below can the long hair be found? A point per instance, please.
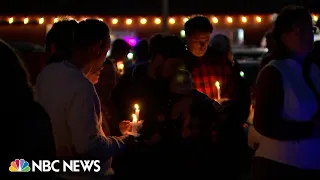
(18, 87)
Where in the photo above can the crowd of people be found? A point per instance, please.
(194, 104)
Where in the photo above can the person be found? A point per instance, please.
(199, 116)
(155, 44)
(205, 63)
(148, 86)
(118, 54)
(104, 84)
(27, 117)
(119, 50)
(271, 50)
(72, 103)
(287, 104)
(59, 40)
(235, 109)
(316, 53)
(141, 52)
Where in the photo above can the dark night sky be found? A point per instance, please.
(145, 7)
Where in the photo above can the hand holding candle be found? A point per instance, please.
(120, 67)
(135, 124)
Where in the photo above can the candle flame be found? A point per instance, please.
(217, 84)
(136, 106)
(121, 66)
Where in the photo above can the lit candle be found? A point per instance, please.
(218, 89)
(136, 110)
(120, 67)
(134, 123)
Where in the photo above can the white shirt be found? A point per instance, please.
(299, 103)
(74, 108)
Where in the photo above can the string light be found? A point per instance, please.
(185, 20)
(114, 21)
(258, 19)
(10, 20)
(157, 21)
(56, 20)
(244, 19)
(41, 20)
(129, 21)
(172, 21)
(26, 20)
(215, 20)
(143, 20)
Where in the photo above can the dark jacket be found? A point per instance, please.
(31, 137)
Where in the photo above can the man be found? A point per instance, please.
(141, 52)
(70, 99)
(198, 61)
(59, 40)
(148, 86)
(211, 64)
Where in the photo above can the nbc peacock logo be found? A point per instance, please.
(19, 165)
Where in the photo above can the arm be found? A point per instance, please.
(268, 119)
(85, 126)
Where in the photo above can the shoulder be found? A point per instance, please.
(269, 71)
(50, 67)
(85, 87)
(268, 77)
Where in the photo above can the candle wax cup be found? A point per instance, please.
(135, 125)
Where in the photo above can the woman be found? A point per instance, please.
(31, 135)
(287, 104)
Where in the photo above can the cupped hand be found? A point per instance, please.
(124, 127)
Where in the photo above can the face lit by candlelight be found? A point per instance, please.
(198, 43)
